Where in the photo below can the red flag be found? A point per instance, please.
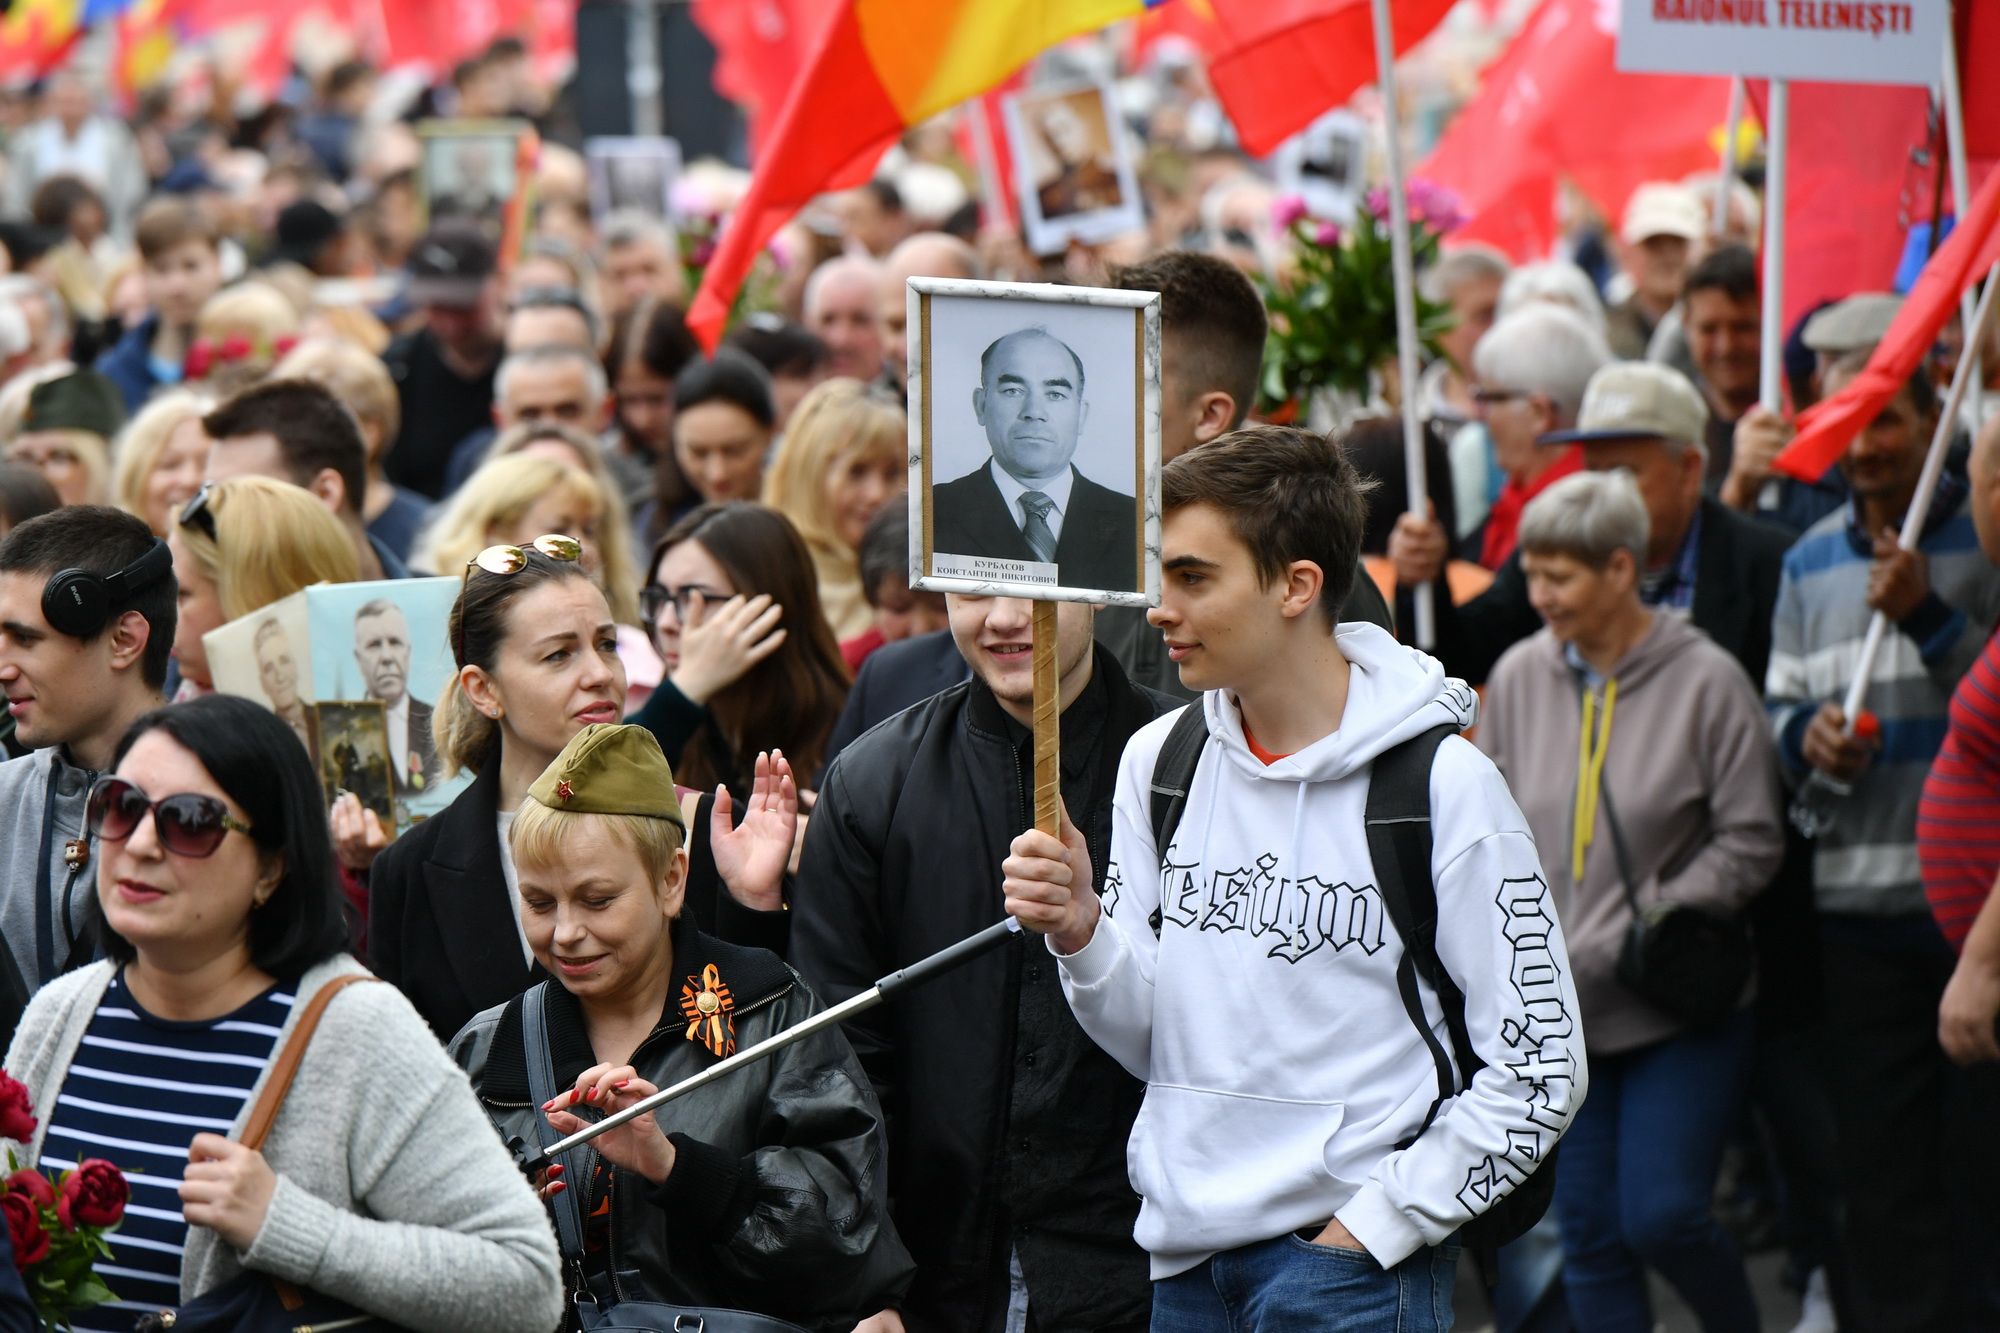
(1280, 64)
(1829, 426)
(1556, 105)
(1978, 31)
(1851, 186)
(760, 48)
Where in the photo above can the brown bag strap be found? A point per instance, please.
(283, 1069)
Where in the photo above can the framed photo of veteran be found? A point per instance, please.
(1072, 166)
(629, 172)
(1034, 441)
(478, 171)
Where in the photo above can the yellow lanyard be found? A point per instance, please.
(1593, 745)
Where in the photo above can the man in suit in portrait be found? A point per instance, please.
(382, 650)
(1029, 502)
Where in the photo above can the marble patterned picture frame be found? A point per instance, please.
(1034, 441)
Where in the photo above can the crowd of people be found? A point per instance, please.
(727, 768)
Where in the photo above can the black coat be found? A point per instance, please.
(1099, 546)
(440, 928)
(1007, 1126)
(776, 1201)
(895, 676)
(1737, 564)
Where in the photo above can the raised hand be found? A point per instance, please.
(717, 647)
(751, 857)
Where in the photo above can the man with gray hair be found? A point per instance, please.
(641, 260)
(382, 650)
(928, 254)
(1468, 280)
(556, 383)
(840, 307)
(1702, 557)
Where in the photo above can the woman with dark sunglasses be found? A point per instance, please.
(537, 654)
(219, 918)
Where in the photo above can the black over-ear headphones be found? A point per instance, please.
(79, 603)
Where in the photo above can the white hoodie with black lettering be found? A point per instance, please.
(1281, 1067)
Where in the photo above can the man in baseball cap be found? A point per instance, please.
(444, 370)
(1662, 228)
(1704, 558)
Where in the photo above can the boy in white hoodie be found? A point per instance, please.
(1250, 974)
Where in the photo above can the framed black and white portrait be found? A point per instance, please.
(1072, 166)
(1034, 441)
(632, 173)
(472, 170)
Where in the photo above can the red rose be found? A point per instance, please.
(24, 1227)
(284, 345)
(236, 347)
(33, 1184)
(200, 359)
(93, 1195)
(17, 1111)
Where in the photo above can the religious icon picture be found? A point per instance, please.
(1072, 166)
(1034, 441)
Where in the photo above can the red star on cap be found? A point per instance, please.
(563, 790)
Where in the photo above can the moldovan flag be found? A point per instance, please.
(1829, 426)
(882, 66)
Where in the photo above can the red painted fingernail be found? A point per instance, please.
(555, 1171)
(621, 1082)
(557, 1188)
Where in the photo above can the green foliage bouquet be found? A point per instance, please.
(1333, 313)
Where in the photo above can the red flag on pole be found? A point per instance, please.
(1826, 428)
(1555, 106)
(761, 47)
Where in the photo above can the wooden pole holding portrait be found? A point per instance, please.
(1035, 462)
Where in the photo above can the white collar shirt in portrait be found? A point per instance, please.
(1057, 488)
(398, 717)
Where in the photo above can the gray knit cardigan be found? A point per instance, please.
(394, 1193)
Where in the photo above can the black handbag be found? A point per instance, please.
(591, 1314)
(1687, 962)
(257, 1302)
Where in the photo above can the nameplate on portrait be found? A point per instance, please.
(993, 569)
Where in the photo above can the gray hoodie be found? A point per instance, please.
(1693, 777)
(24, 797)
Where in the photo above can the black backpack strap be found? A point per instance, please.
(543, 1089)
(1398, 821)
(1173, 773)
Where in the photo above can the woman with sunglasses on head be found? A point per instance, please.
(751, 663)
(536, 649)
(219, 918)
(240, 545)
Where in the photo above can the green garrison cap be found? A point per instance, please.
(85, 401)
(611, 770)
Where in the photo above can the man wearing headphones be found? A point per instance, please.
(87, 610)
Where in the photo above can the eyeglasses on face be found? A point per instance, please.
(1487, 396)
(655, 597)
(189, 824)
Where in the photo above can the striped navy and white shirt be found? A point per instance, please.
(138, 1092)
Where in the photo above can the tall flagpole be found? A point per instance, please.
(1961, 190)
(1404, 266)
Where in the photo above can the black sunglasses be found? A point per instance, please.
(187, 824)
(197, 515)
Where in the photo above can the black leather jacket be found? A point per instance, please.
(776, 1202)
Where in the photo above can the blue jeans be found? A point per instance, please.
(1634, 1182)
(1288, 1285)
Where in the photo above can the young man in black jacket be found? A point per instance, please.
(1007, 1126)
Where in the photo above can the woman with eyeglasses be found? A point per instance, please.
(752, 665)
(536, 649)
(240, 545)
(219, 917)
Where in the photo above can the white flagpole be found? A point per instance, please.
(1954, 138)
(1725, 177)
(1771, 376)
(1404, 267)
(1920, 502)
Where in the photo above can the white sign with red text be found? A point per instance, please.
(1825, 41)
